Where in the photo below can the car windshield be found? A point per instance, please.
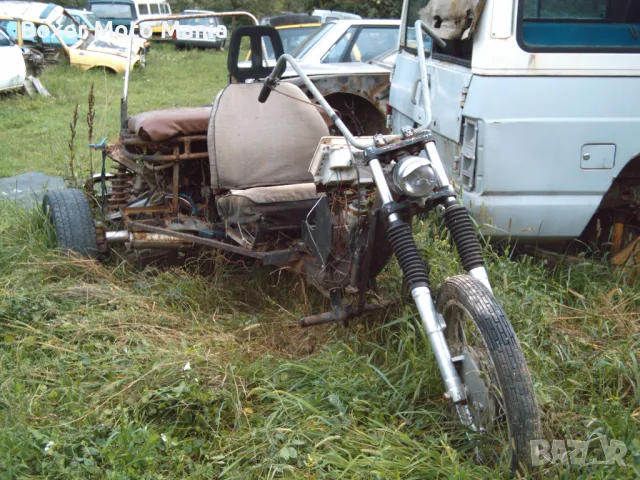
(112, 10)
(291, 39)
(311, 40)
(566, 25)
(90, 19)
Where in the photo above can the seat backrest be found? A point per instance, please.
(253, 144)
(255, 34)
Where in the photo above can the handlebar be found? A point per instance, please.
(271, 81)
(264, 93)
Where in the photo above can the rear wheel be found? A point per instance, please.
(69, 215)
(493, 371)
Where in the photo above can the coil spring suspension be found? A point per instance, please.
(458, 222)
(121, 189)
(404, 246)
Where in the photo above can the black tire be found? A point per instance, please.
(69, 213)
(465, 303)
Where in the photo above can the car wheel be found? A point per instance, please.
(68, 214)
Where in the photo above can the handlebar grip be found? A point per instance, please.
(264, 93)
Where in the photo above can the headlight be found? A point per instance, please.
(415, 177)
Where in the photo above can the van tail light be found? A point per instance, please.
(175, 33)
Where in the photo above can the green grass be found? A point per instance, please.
(35, 132)
(93, 355)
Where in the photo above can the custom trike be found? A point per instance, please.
(257, 174)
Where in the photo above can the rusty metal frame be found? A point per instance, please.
(175, 143)
(268, 258)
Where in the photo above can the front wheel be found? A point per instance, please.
(493, 371)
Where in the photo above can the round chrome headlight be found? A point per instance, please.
(415, 176)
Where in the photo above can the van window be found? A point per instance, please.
(587, 25)
(143, 8)
(154, 8)
(112, 10)
(457, 51)
(164, 8)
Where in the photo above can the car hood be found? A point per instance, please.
(100, 44)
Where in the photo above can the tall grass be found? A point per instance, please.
(94, 359)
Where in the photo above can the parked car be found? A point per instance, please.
(535, 115)
(90, 50)
(197, 32)
(14, 71)
(343, 65)
(344, 41)
(331, 15)
(291, 36)
(124, 12)
(289, 18)
(21, 67)
(89, 20)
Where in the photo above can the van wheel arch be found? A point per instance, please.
(620, 205)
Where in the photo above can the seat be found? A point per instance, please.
(261, 153)
(162, 125)
(253, 144)
(284, 204)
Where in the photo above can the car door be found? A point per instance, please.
(448, 76)
(13, 71)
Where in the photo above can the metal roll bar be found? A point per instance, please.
(136, 23)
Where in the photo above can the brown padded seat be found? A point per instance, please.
(253, 144)
(161, 125)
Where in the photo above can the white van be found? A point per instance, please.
(533, 110)
(150, 9)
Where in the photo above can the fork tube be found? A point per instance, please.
(417, 277)
(435, 328)
(466, 241)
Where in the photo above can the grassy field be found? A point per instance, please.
(126, 372)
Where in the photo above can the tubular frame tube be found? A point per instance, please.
(383, 186)
(127, 73)
(436, 163)
(423, 74)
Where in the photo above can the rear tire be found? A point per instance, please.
(69, 214)
(494, 373)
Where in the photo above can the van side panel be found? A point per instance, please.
(536, 138)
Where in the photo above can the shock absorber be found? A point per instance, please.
(459, 223)
(406, 251)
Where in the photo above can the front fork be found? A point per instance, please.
(415, 272)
